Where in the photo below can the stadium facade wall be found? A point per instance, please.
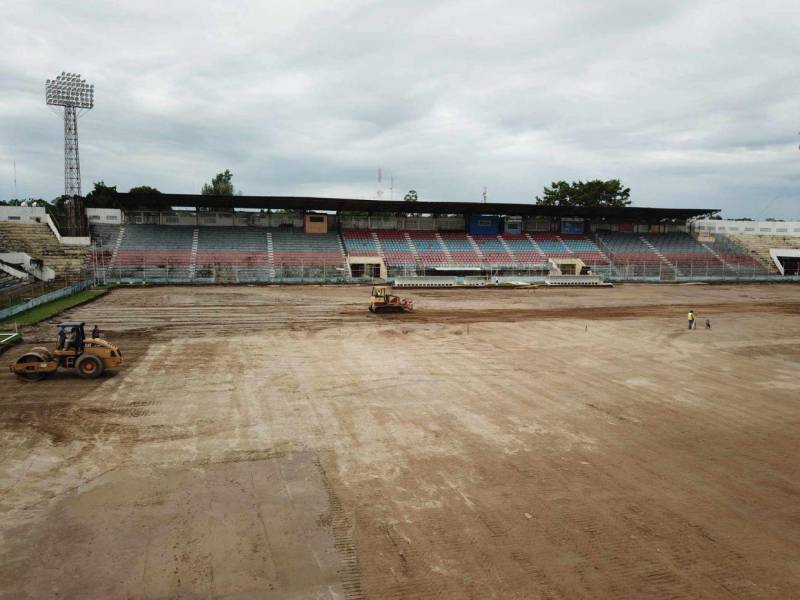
(212, 218)
(407, 222)
(643, 228)
(484, 225)
(23, 213)
(782, 228)
(110, 216)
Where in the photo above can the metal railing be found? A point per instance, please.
(686, 271)
(153, 273)
(319, 273)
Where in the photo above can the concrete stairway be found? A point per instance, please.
(536, 246)
(660, 255)
(411, 245)
(507, 249)
(193, 256)
(271, 255)
(444, 248)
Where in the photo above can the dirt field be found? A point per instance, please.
(281, 442)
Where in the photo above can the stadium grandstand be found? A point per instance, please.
(177, 238)
(35, 259)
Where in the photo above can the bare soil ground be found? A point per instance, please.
(281, 442)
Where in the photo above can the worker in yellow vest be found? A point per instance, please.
(691, 319)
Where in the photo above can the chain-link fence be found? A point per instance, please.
(318, 273)
(151, 273)
(685, 271)
(651, 271)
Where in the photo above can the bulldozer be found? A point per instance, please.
(88, 356)
(381, 301)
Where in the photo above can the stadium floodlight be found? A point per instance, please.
(72, 93)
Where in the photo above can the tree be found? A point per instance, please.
(411, 196)
(39, 202)
(221, 185)
(144, 190)
(103, 195)
(586, 194)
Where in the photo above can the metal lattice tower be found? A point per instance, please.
(75, 95)
(72, 159)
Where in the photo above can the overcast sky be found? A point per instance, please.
(693, 104)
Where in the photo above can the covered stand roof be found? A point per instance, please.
(163, 202)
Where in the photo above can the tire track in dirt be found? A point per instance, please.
(342, 526)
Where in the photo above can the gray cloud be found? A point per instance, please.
(689, 103)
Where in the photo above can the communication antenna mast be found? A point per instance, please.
(72, 93)
(380, 183)
(15, 178)
(391, 187)
(485, 194)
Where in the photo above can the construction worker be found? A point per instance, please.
(708, 323)
(691, 319)
(62, 338)
(72, 339)
(96, 332)
(79, 339)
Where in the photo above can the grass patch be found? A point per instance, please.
(8, 339)
(45, 311)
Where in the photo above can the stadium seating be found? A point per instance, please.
(428, 249)
(493, 251)
(358, 242)
(396, 249)
(523, 250)
(751, 252)
(308, 249)
(245, 246)
(223, 253)
(460, 248)
(105, 238)
(678, 253)
(38, 241)
(9, 283)
(156, 246)
(551, 245)
(259, 253)
(584, 248)
(631, 255)
(686, 254)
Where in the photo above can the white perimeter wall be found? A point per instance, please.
(785, 228)
(22, 213)
(105, 216)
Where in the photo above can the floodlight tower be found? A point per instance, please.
(75, 95)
